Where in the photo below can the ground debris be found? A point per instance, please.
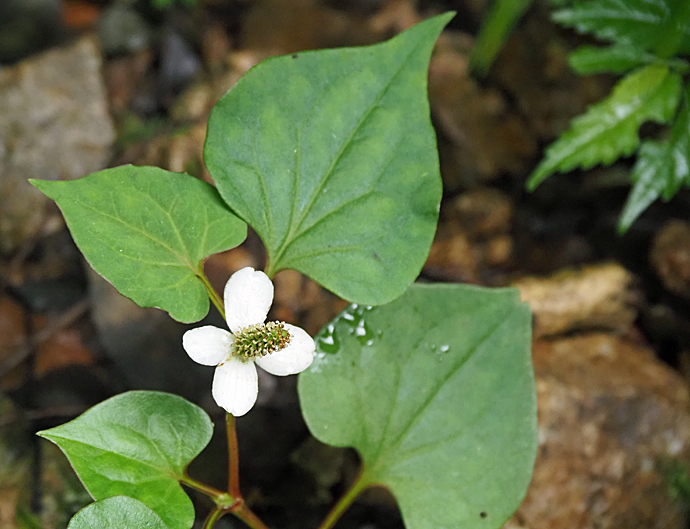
(473, 241)
(481, 137)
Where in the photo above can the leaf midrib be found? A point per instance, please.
(378, 464)
(294, 231)
(182, 259)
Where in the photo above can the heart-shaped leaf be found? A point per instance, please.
(331, 157)
(137, 444)
(118, 512)
(147, 231)
(436, 391)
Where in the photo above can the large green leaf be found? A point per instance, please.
(662, 168)
(661, 26)
(137, 444)
(147, 231)
(609, 129)
(436, 391)
(331, 157)
(118, 512)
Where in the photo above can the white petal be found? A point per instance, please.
(208, 345)
(235, 386)
(296, 357)
(248, 297)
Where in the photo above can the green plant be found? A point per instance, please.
(330, 157)
(647, 42)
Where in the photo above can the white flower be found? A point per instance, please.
(277, 347)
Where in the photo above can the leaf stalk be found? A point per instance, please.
(339, 508)
(212, 294)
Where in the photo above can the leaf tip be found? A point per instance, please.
(46, 434)
(536, 178)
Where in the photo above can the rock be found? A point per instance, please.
(55, 125)
(670, 256)
(594, 297)
(612, 420)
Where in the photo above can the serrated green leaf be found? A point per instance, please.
(147, 231)
(609, 129)
(436, 391)
(656, 25)
(618, 58)
(137, 444)
(118, 512)
(331, 157)
(662, 168)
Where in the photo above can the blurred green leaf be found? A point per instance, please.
(331, 157)
(618, 58)
(118, 512)
(495, 29)
(609, 129)
(660, 26)
(662, 168)
(147, 231)
(137, 444)
(436, 392)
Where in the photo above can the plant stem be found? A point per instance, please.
(202, 487)
(233, 458)
(245, 514)
(212, 294)
(344, 502)
(269, 269)
(213, 517)
(239, 508)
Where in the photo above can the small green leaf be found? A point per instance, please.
(662, 168)
(331, 157)
(618, 58)
(137, 444)
(118, 512)
(609, 129)
(436, 391)
(147, 231)
(658, 25)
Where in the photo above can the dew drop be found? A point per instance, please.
(353, 318)
(328, 342)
